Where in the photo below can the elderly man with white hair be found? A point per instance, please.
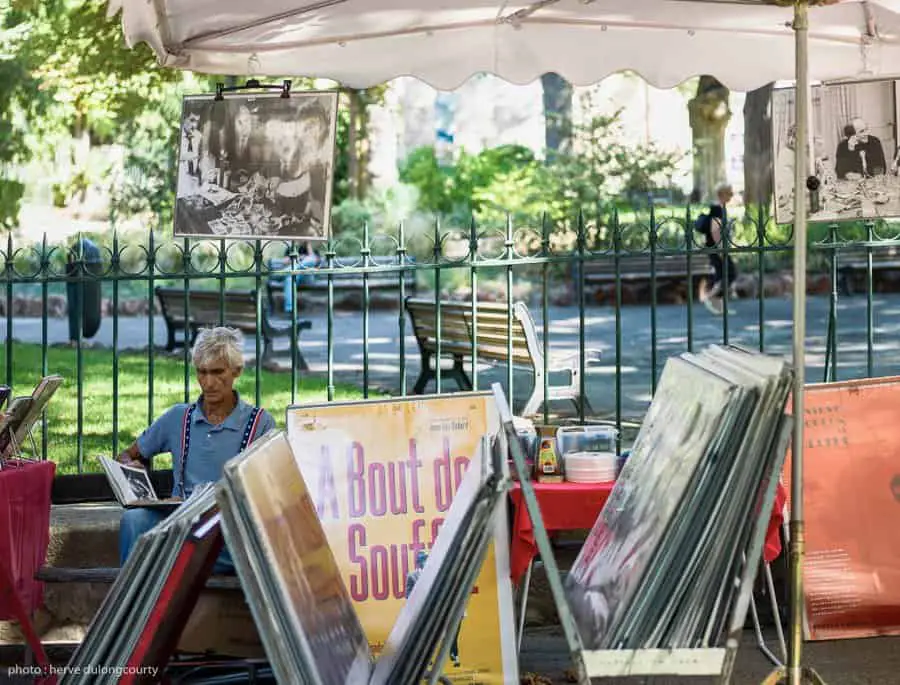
(859, 154)
(201, 436)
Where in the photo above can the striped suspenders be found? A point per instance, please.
(246, 438)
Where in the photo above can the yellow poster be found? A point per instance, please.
(382, 475)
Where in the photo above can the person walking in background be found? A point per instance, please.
(713, 225)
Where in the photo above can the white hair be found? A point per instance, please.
(724, 188)
(217, 343)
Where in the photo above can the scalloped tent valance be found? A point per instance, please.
(359, 43)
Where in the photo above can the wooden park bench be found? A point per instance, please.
(107, 576)
(853, 264)
(486, 333)
(639, 268)
(240, 313)
(350, 279)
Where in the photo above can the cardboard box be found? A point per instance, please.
(222, 623)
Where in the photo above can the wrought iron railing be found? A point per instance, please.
(541, 255)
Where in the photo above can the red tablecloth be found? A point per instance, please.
(575, 506)
(24, 530)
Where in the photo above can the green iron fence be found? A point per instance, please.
(436, 260)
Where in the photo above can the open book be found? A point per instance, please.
(132, 487)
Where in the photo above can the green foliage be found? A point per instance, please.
(466, 187)
(434, 182)
(349, 217)
(147, 184)
(19, 97)
(518, 194)
(510, 181)
(11, 193)
(474, 172)
(79, 56)
(601, 167)
(65, 71)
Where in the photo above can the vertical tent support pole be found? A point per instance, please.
(794, 673)
(801, 158)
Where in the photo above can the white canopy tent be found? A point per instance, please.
(364, 42)
(744, 43)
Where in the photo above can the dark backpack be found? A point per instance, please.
(702, 224)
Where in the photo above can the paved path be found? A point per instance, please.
(383, 346)
(873, 661)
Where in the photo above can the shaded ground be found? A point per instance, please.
(638, 358)
(874, 661)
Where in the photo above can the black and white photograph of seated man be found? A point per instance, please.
(853, 129)
(256, 166)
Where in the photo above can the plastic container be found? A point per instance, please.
(588, 438)
(529, 440)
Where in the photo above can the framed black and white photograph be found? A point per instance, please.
(256, 166)
(854, 151)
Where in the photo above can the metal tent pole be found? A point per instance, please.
(801, 158)
(795, 674)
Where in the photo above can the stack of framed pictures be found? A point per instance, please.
(136, 629)
(306, 619)
(661, 566)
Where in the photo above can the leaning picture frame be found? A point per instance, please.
(256, 165)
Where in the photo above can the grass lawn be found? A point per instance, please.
(132, 393)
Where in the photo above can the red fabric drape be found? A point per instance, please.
(576, 506)
(24, 530)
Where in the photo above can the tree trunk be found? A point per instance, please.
(758, 147)
(709, 115)
(353, 145)
(363, 149)
(358, 149)
(557, 113)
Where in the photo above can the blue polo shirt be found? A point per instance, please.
(210, 446)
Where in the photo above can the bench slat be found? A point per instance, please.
(108, 575)
(638, 267)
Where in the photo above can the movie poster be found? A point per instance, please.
(256, 166)
(382, 475)
(851, 484)
(854, 151)
(300, 560)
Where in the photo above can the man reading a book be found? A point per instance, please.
(201, 436)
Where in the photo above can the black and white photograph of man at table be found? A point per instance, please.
(256, 166)
(854, 146)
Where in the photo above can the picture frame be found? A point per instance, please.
(854, 151)
(256, 165)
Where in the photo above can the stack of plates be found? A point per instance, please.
(590, 467)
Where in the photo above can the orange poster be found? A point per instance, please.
(382, 475)
(851, 499)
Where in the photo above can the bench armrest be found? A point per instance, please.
(564, 361)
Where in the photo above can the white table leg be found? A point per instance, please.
(523, 603)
